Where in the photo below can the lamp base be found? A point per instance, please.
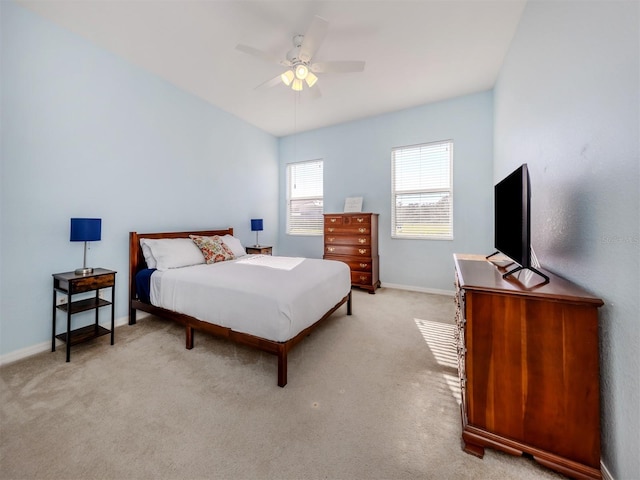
(84, 271)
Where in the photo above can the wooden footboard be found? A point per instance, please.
(280, 349)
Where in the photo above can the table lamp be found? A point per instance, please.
(85, 230)
(256, 226)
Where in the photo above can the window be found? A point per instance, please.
(304, 198)
(422, 192)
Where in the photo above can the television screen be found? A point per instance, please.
(512, 235)
(512, 213)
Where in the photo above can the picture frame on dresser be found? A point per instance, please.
(353, 205)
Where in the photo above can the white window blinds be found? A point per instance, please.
(422, 192)
(305, 198)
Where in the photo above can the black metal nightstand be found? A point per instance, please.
(71, 283)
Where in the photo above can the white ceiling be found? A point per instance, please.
(416, 52)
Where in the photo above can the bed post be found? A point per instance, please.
(133, 268)
(282, 365)
(189, 332)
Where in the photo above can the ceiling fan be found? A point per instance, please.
(300, 68)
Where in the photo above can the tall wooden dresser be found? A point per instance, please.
(352, 238)
(529, 367)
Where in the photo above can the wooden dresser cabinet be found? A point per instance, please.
(352, 238)
(529, 368)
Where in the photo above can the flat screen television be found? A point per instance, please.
(512, 221)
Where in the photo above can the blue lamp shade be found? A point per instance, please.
(85, 229)
(256, 226)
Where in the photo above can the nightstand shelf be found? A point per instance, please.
(84, 334)
(261, 250)
(84, 305)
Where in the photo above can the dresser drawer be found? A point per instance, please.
(330, 220)
(355, 264)
(356, 251)
(364, 229)
(361, 265)
(87, 284)
(353, 220)
(347, 240)
(361, 278)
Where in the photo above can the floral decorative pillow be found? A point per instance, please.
(213, 248)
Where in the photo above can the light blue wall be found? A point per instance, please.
(86, 134)
(357, 162)
(567, 103)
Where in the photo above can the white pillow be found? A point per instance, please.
(234, 245)
(146, 252)
(174, 252)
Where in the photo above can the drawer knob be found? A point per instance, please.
(333, 220)
(362, 240)
(331, 239)
(330, 249)
(330, 229)
(362, 251)
(362, 230)
(363, 278)
(360, 219)
(364, 265)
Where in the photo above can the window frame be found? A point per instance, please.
(448, 235)
(320, 220)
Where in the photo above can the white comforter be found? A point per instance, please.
(253, 297)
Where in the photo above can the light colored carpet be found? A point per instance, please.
(371, 396)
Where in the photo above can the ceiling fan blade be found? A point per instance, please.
(254, 52)
(345, 66)
(272, 82)
(313, 38)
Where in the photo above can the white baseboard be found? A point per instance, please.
(411, 288)
(46, 346)
(606, 475)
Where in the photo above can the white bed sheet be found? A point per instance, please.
(267, 302)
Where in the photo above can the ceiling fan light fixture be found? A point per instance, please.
(287, 77)
(311, 79)
(297, 85)
(302, 71)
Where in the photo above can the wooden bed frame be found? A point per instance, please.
(280, 349)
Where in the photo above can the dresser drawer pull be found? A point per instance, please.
(363, 278)
(330, 229)
(330, 249)
(362, 230)
(333, 220)
(360, 219)
(331, 239)
(364, 265)
(362, 240)
(362, 251)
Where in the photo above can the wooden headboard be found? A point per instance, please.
(136, 259)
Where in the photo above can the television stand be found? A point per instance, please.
(519, 267)
(507, 261)
(534, 270)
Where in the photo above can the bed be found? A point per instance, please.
(238, 289)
